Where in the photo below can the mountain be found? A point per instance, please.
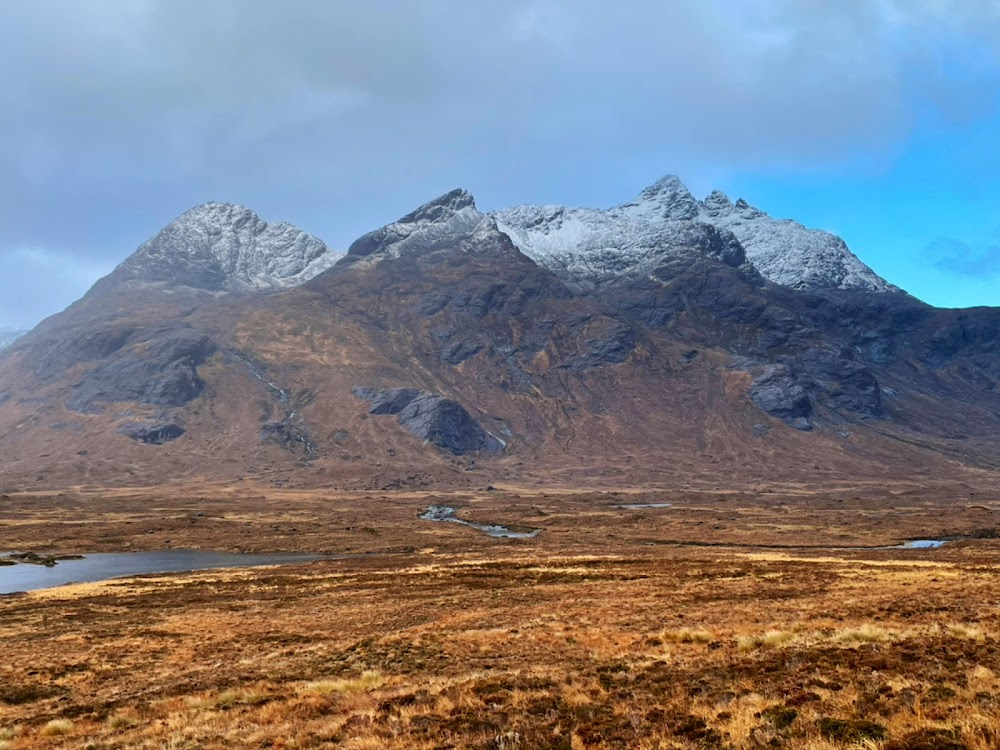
(8, 337)
(453, 348)
(221, 247)
(587, 246)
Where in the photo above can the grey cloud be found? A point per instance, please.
(341, 115)
(957, 257)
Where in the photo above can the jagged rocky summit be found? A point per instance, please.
(587, 247)
(223, 247)
(436, 225)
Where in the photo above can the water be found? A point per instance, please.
(444, 513)
(104, 565)
(921, 544)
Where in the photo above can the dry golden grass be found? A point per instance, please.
(367, 682)
(57, 728)
(589, 637)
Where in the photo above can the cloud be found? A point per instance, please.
(366, 83)
(37, 282)
(959, 258)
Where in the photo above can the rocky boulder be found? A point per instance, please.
(438, 420)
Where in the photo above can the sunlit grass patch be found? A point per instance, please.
(963, 630)
(688, 635)
(982, 679)
(770, 639)
(370, 680)
(229, 699)
(57, 728)
(866, 634)
(122, 721)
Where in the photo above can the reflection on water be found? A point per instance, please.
(447, 514)
(921, 544)
(104, 565)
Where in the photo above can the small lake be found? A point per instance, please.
(444, 513)
(101, 566)
(920, 544)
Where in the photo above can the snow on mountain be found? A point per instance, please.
(587, 247)
(226, 247)
(452, 218)
(790, 254)
(7, 337)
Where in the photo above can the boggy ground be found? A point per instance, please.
(613, 629)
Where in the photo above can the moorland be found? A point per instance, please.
(779, 617)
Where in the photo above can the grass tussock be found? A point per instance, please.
(963, 630)
(369, 680)
(222, 701)
(57, 728)
(865, 634)
(688, 635)
(122, 720)
(770, 639)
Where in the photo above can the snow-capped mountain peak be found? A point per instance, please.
(716, 203)
(666, 199)
(789, 253)
(224, 247)
(445, 221)
(587, 247)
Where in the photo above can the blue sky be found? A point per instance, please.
(875, 119)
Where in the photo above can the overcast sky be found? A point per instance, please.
(877, 119)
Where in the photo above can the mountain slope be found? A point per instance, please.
(436, 353)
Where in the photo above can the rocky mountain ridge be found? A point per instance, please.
(436, 352)
(587, 246)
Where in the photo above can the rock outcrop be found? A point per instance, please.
(431, 417)
(153, 434)
(161, 371)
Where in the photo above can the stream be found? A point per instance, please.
(446, 514)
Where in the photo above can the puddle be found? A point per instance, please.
(444, 513)
(919, 544)
(641, 506)
(30, 575)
